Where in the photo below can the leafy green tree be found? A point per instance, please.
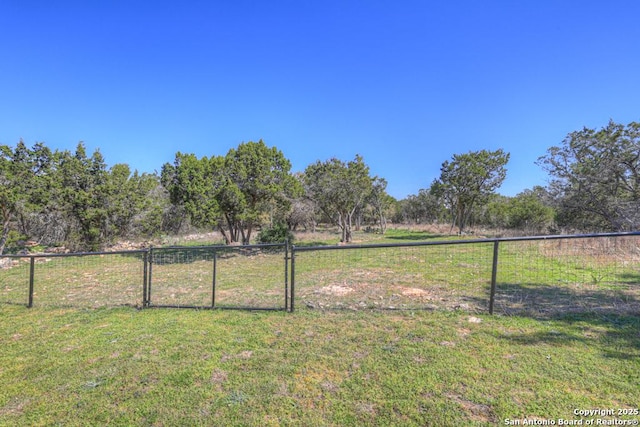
(159, 216)
(424, 207)
(468, 179)
(380, 202)
(494, 213)
(234, 193)
(259, 178)
(596, 177)
(527, 211)
(191, 184)
(83, 197)
(127, 197)
(338, 190)
(24, 180)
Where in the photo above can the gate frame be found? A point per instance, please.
(147, 292)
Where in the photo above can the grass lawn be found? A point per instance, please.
(122, 366)
(567, 337)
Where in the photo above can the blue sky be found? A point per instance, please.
(406, 84)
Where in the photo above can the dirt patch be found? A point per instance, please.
(413, 292)
(475, 411)
(14, 407)
(6, 263)
(335, 290)
(218, 377)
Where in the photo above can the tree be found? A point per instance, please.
(160, 215)
(528, 212)
(190, 185)
(380, 201)
(596, 177)
(233, 193)
(468, 179)
(338, 190)
(259, 178)
(70, 198)
(423, 207)
(83, 197)
(127, 199)
(302, 213)
(24, 179)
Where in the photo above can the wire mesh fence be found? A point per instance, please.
(569, 274)
(218, 277)
(537, 276)
(394, 276)
(181, 277)
(253, 277)
(80, 280)
(14, 279)
(107, 279)
(529, 276)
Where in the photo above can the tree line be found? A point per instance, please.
(73, 199)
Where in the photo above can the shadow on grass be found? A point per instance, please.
(12, 303)
(312, 244)
(608, 315)
(630, 278)
(416, 236)
(545, 302)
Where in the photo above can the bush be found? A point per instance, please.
(276, 233)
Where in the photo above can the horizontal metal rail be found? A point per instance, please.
(461, 242)
(75, 254)
(141, 251)
(221, 247)
(217, 307)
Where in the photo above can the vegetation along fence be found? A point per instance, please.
(540, 276)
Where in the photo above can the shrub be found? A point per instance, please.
(276, 233)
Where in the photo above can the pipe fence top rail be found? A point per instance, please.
(75, 254)
(463, 242)
(221, 246)
(142, 251)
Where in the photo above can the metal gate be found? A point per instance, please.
(218, 277)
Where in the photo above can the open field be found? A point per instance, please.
(122, 366)
(566, 336)
(533, 277)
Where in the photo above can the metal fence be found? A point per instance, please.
(243, 277)
(74, 280)
(535, 276)
(538, 276)
(253, 277)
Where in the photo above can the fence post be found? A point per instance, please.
(286, 275)
(213, 285)
(149, 278)
(494, 275)
(293, 278)
(145, 277)
(31, 275)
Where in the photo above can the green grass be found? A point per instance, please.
(121, 366)
(569, 340)
(533, 277)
